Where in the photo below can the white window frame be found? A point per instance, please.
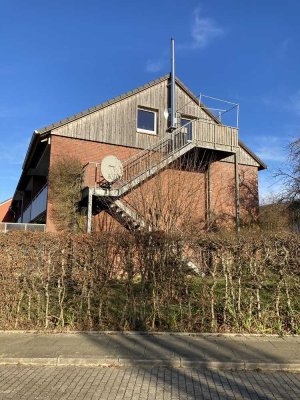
(140, 130)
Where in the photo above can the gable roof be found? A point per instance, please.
(5, 201)
(102, 105)
(119, 98)
(123, 96)
(253, 155)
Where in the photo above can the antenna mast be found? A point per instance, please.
(173, 99)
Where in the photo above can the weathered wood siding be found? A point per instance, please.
(117, 123)
(187, 107)
(243, 157)
(219, 137)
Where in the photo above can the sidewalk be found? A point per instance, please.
(234, 352)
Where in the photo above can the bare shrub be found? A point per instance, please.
(247, 283)
(65, 181)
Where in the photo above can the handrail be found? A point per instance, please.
(172, 143)
(166, 137)
(148, 158)
(16, 226)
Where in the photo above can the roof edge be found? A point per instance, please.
(196, 99)
(5, 201)
(253, 155)
(100, 106)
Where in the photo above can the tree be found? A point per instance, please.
(291, 176)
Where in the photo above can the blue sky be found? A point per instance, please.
(61, 57)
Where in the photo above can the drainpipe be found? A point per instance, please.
(237, 192)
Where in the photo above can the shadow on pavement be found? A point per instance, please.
(202, 348)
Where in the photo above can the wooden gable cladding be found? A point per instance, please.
(117, 123)
(244, 158)
(188, 107)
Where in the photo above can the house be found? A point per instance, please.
(5, 214)
(165, 148)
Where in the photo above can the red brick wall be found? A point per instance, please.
(183, 192)
(5, 215)
(86, 151)
(223, 192)
(173, 198)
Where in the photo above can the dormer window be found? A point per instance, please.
(146, 121)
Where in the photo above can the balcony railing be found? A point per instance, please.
(12, 226)
(197, 132)
(36, 207)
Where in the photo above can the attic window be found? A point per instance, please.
(146, 121)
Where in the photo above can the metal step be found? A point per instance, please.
(132, 219)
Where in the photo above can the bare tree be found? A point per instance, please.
(291, 175)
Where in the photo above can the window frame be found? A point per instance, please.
(147, 109)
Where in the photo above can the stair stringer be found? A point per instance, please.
(128, 186)
(132, 220)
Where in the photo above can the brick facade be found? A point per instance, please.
(86, 151)
(175, 196)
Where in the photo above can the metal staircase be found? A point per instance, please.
(124, 213)
(199, 132)
(148, 162)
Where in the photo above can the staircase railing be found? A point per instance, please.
(204, 132)
(144, 160)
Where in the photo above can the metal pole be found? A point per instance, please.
(173, 99)
(237, 192)
(208, 195)
(89, 212)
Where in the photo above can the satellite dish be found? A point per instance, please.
(111, 168)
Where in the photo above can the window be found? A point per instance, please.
(146, 121)
(188, 128)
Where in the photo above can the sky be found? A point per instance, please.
(60, 57)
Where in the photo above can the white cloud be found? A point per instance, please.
(271, 148)
(275, 154)
(269, 187)
(154, 66)
(204, 30)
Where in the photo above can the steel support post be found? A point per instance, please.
(89, 212)
(237, 192)
(208, 195)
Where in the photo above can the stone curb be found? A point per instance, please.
(175, 363)
(147, 333)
